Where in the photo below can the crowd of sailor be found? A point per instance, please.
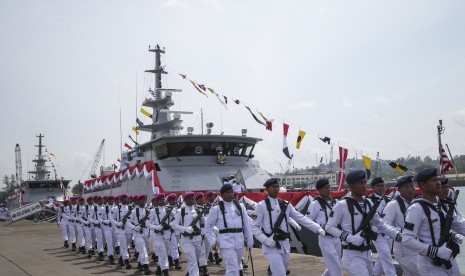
(214, 227)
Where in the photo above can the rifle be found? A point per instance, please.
(446, 237)
(143, 220)
(165, 218)
(305, 209)
(365, 225)
(276, 231)
(125, 218)
(197, 218)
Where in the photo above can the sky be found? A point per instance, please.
(375, 76)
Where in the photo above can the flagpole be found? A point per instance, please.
(440, 131)
(136, 102)
(453, 163)
(120, 128)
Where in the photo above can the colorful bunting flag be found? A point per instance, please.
(137, 144)
(399, 168)
(225, 99)
(285, 147)
(196, 86)
(145, 112)
(220, 100)
(136, 131)
(367, 162)
(183, 76)
(269, 123)
(237, 101)
(139, 122)
(127, 146)
(211, 90)
(326, 140)
(343, 153)
(300, 137)
(255, 117)
(444, 163)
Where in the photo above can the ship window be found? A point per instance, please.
(202, 148)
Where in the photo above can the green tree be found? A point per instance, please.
(78, 188)
(6, 182)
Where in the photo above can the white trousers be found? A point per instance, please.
(383, 263)
(357, 263)
(80, 235)
(278, 260)
(192, 251)
(427, 268)
(407, 259)
(123, 245)
(331, 250)
(202, 257)
(141, 247)
(174, 253)
(108, 233)
(72, 232)
(88, 237)
(99, 238)
(161, 248)
(233, 260)
(64, 230)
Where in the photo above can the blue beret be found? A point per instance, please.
(404, 180)
(426, 174)
(443, 180)
(355, 176)
(320, 183)
(376, 180)
(225, 188)
(271, 181)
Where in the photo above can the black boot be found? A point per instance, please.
(210, 258)
(241, 273)
(139, 266)
(112, 259)
(128, 265)
(176, 264)
(89, 254)
(66, 245)
(170, 261)
(136, 255)
(165, 272)
(82, 249)
(203, 271)
(154, 257)
(105, 248)
(120, 261)
(100, 256)
(158, 271)
(146, 269)
(288, 272)
(244, 265)
(116, 249)
(218, 260)
(269, 270)
(93, 252)
(73, 246)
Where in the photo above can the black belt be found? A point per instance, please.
(77, 221)
(190, 235)
(107, 224)
(157, 231)
(279, 237)
(231, 230)
(357, 248)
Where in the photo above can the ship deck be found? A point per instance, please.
(36, 249)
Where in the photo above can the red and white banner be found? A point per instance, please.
(342, 166)
(444, 163)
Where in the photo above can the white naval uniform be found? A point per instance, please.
(355, 262)
(86, 214)
(203, 251)
(383, 263)
(71, 223)
(394, 217)
(161, 238)
(98, 228)
(79, 227)
(63, 221)
(140, 234)
(417, 237)
(330, 246)
(191, 246)
(118, 213)
(231, 238)
(277, 258)
(107, 228)
(3, 213)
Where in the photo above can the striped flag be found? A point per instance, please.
(367, 162)
(136, 131)
(255, 117)
(127, 146)
(199, 88)
(342, 166)
(444, 163)
(300, 137)
(269, 123)
(285, 147)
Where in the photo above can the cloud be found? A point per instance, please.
(347, 104)
(382, 100)
(460, 117)
(302, 105)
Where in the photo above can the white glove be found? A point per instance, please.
(189, 230)
(86, 222)
(298, 227)
(321, 232)
(356, 239)
(270, 242)
(457, 238)
(250, 243)
(444, 252)
(119, 223)
(156, 227)
(136, 228)
(106, 221)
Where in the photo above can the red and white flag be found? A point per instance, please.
(285, 147)
(127, 146)
(342, 166)
(444, 163)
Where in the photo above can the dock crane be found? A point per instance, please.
(94, 162)
(19, 165)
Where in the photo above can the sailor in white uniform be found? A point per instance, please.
(273, 235)
(62, 218)
(348, 215)
(72, 222)
(173, 253)
(394, 215)
(237, 187)
(383, 264)
(119, 217)
(3, 212)
(79, 226)
(422, 230)
(97, 218)
(233, 224)
(108, 229)
(319, 211)
(137, 222)
(158, 223)
(200, 207)
(191, 237)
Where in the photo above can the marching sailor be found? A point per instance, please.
(234, 228)
(187, 221)
(80, 225)
(119, 216)
(86, 215)
(107, 228)
(97, 218)
(319, 211)
(425, 219)
(213, 255)
(71, 222)
(158, 223)
(383, 263)
(349, 214)
(271, 229)
(173, 253)
(200, 207)
(394, 215)
(63, 220)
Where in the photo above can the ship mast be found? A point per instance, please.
(41, 168)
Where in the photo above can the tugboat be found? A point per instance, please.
(39, 186)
